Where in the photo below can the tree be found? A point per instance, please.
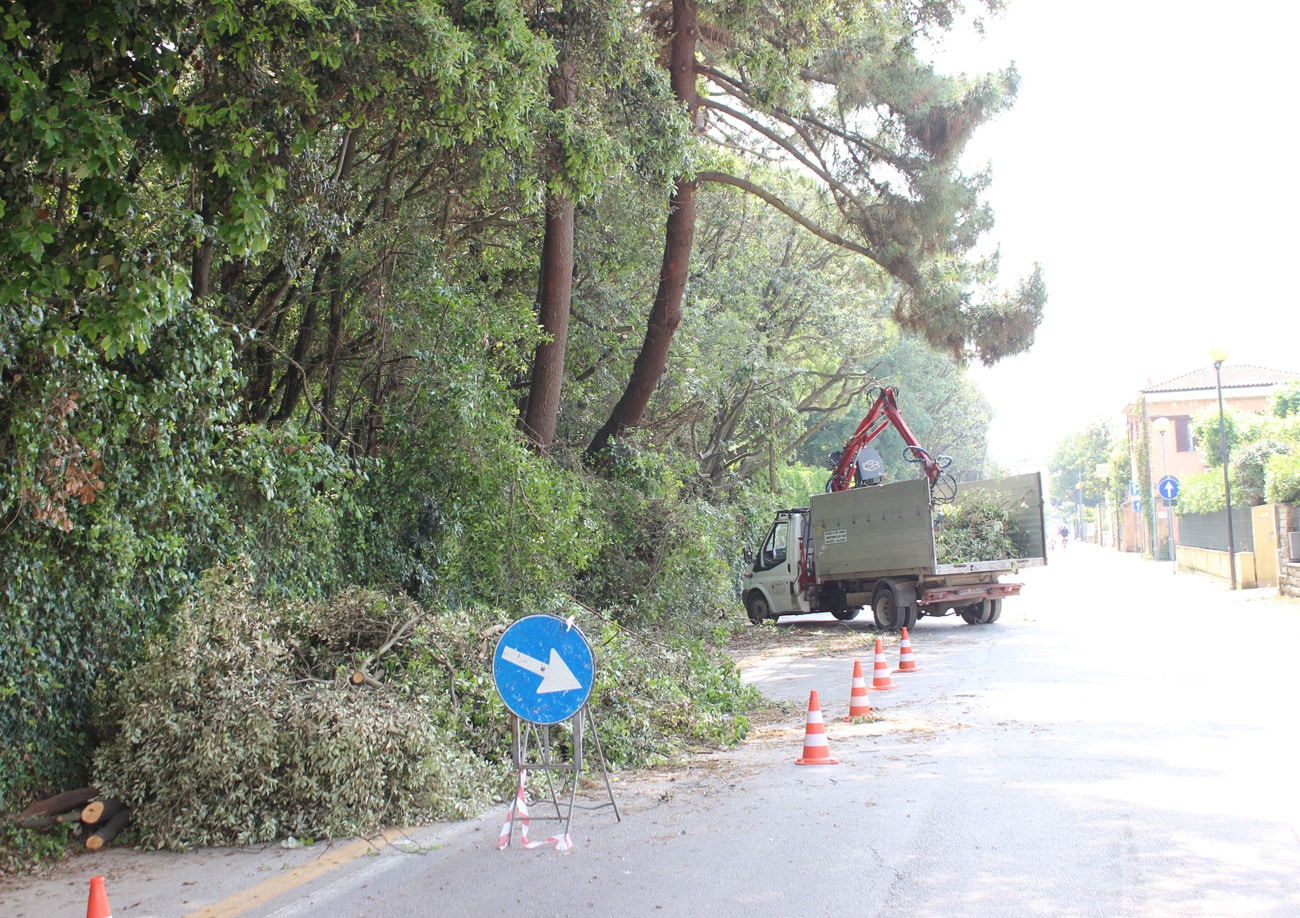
(612, 121)
(850, 103)
(1075, 460)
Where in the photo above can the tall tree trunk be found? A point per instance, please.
(679, 238)
(554, 295)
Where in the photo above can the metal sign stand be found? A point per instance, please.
(529, 738)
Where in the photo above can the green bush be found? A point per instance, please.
(1282, 479)
(1202, 492)
(667, 557)
(121, 482)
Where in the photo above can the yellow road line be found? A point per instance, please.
(289, 880)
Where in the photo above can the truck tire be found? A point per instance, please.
(845, 615)
(757, 607)
(986, 613)
(892, 610)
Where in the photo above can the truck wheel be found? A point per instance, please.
(757, 607)
(994, 612)
(885, 607)
(972, 615)
(845, 615)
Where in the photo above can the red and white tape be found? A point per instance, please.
(519, 810)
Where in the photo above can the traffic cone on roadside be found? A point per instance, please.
(880, 677)
(858, 704)
(906, 662)
(98, 905)
(815, 749)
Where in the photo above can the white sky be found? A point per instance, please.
(1149, 165)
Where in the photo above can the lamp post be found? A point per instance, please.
(1078, 525)
(1103, 474)
(1162, 426)
(1218, 355)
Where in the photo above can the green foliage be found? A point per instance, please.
(239, 727)
(1203, 492)
(122, 481)
(652, 698)
(1075, 460)
(1249, 469)
(1282, 478)
(1207, 432)
(797, 482)
(1286, 400)
(977, 529)
(664, 549)
(24, 849)
(266, 286)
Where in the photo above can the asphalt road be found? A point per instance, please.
(1122, 742)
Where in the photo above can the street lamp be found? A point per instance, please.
(1218, 355)
(1162, 427)
(1078, 526)
(1103, 473)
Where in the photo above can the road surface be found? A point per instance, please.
(1122, 742)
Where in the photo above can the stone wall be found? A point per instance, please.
(1288, 572)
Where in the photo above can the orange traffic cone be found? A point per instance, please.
(906, 663)
(815, 749)
(858, 704)
(880, 678)
(98, 905)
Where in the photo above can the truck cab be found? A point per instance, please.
(772, 578)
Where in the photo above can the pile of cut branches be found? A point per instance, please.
(246, 724)
(977, 529)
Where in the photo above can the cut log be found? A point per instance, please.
(69, 816)
(108, 831)
(100, 810)
(60, 803)
(360, 677)
(35, 822)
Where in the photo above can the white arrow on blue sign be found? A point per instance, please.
(1168, 487)
(543, 669)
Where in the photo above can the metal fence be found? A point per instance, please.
(1210, 530)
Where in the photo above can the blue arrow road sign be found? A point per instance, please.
(1168, 487)
(543, 669)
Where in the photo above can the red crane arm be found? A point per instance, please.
(886, 404)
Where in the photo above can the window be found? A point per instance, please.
(773, 552)
(1184, 442)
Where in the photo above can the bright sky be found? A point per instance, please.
(1148, 165)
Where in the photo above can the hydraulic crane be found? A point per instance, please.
(884, 412)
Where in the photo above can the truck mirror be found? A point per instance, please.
(749, 556)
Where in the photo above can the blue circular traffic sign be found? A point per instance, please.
(543, 669)
(1168, 487)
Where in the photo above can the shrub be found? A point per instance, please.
(1282, 479)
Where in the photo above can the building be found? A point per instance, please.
(1245, 389)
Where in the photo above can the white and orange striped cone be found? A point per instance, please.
(880, 677)
(906, 662)
(816, 751)
(858, 704)
(97, 907)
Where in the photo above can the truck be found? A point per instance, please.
(860, 544)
